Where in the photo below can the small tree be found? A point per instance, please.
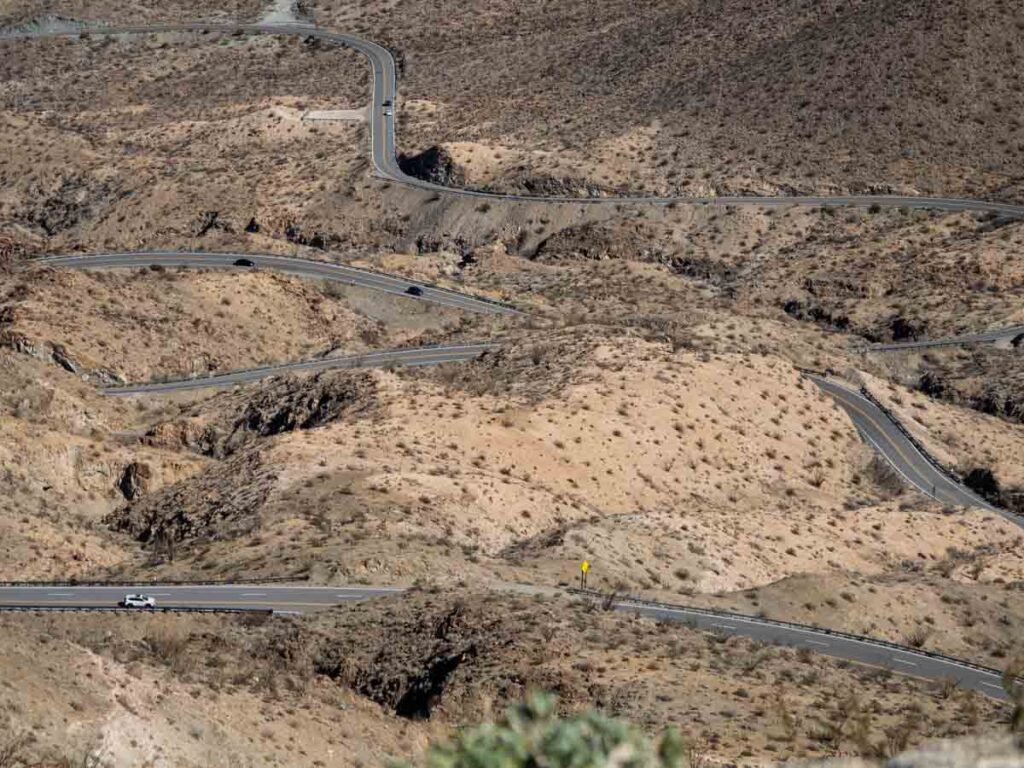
(531, 735)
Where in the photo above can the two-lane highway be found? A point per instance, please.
(409, 358)
(882, 434)
(290, 598)
(1010, 333)
(304, 268)
(285, 599)
(383, 141)
(307, 269)
(872, 423)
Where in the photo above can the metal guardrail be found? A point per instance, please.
(162, 583)
(343, 362)
(625, 598)
(936, 464)
(119, 609)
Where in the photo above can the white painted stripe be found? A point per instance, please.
(904, 661)
(723, 626)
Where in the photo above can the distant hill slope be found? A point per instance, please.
(703, 95)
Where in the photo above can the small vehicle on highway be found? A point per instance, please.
(138, 601)
(414, 290)
(244, 263)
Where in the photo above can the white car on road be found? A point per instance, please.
(138, 601)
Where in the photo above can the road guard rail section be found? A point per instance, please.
(161, 583)
(615, 598)
(939, 466)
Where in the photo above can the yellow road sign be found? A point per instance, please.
(585, 566)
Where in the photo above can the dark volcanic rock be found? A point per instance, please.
(984, 483)
(282, 405)
(291, 404)
(222, 502)
(435, 165)
(134, 480)
(903, 329)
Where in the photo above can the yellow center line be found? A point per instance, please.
(888, 441)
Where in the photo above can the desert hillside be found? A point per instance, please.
(649, 408)
(764, 96)
(227, 691)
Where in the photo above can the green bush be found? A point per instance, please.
(532, 735)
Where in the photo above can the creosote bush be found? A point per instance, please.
(532, 735)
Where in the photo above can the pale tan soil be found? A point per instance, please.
(705, 469)
(947, 605)
(143, 324)
(224, 691)
(693, 98)
(136, 142)
(677, 473)
(960, 438)
(18, 13)
(130, 691)
(61, 459)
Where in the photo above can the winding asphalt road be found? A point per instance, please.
(881, 433)
(984, 337)
(383, 143)
(304, 599)
(416, 356)
(305, 268)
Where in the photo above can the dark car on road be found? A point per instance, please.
(244, 263)
(414, 290)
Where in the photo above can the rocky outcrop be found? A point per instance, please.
(902, 329)
(222, 502)
(599, 242)
(211, 220)
(816, 313)
(542, 185)
(52, 352)
(435, 165)
(134, 480)
(410, 677)
(282, 405)
(289, 405)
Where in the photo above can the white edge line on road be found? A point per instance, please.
(958, 487)
(756, 622)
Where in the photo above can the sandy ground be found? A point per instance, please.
(222, 691)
